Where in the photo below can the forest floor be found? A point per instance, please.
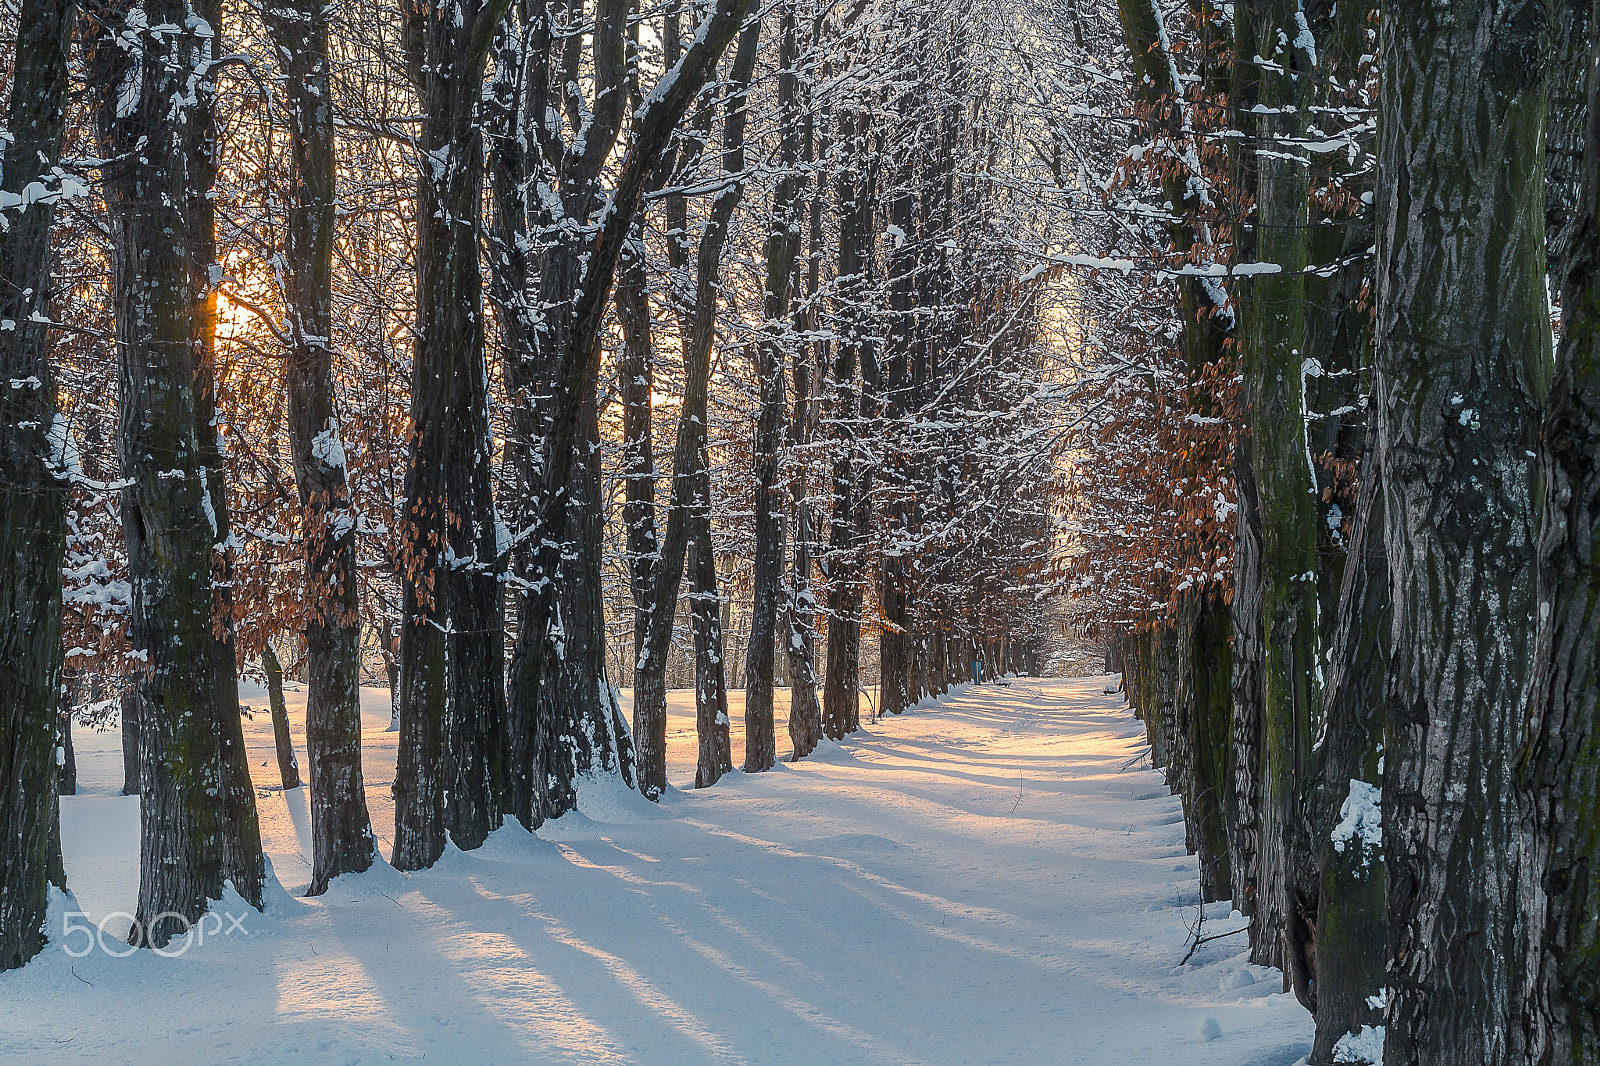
(997, 877)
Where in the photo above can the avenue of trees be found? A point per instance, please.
(1337, 506)
(508, 353)
(517, 351)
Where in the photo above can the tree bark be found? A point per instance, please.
(1565, 129)
(1205, 671)
(1463, 357)
(705, 604)
(451, 772)
(575, 371)
(130, 743)
(782, 251)
(688, 516)
(636, 373)
(174, 511)
(341, 830)
(1347, 933)
(715, 757)
(1560, 775)
(1272, 328)
(288, 765)
(67, 785)
(841, 711)
(33, 524)
(1244, 830)
(895, 560)
(800, 606)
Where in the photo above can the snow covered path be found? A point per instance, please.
(993, 879)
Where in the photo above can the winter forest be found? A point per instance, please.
(745, 510)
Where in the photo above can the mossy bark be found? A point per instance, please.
(1272, 326)
(1347, 931)
(198, 819)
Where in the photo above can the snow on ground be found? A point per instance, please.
(995, 878)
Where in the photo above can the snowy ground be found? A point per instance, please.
(998, 878)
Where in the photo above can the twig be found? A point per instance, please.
(1207, 939)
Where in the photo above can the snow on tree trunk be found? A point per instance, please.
(1349, 930)
(782, 252)
(33, 526)
(452, 770)
(341, 830)
(198, 818)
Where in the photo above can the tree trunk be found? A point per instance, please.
(67, 785)
(711, 689)
(130, 743)
(575, 279)
(341, 831)
(841, 712)
(33, 527)
(1346, 945)
(477, 760)
(688, 516)
(1205, 671)
(288, 765)
(1560, 779)
(901, 352)
(636, 372)
(800, 606)
(1565, 129)
(451, 772)
(805, 713)
(705, 605)
(173, 509)
(390, 638)
(1272, 327)
(1463, 359)
(477, 757)
(782, 252)
(1244, 829)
